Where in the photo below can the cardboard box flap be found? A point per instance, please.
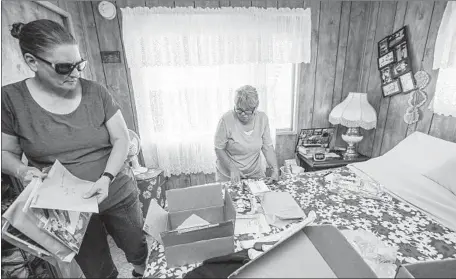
(230, 210)
(430, 269)
(296, 257)
(312, 252)
(328, 239)
(194, 197)
(201, 233)
(156, 221)
(197, 252)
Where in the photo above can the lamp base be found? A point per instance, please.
(352, 136)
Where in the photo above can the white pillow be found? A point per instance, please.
(445, 175)
(421, 152)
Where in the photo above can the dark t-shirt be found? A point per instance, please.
(79, 140)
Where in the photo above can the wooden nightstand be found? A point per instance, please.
(310, 165)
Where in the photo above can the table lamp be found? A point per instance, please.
(354, 112)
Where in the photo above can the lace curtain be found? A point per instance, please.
(196, 37)
(444, 101)
(186, 64)
(179, 108)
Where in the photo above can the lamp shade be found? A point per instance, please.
(354, 111)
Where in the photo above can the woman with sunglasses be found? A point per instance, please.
(242, 134)
(57, 115)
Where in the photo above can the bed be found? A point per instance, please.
(400, 218)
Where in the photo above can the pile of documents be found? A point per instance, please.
(257, 187)
(251, 223)
(54, 210)
(279, 208)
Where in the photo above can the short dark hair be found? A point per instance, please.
(41, 35)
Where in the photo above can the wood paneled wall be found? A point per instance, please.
(344, 59)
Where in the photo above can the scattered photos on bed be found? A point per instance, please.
(317, 137)
(394, 63)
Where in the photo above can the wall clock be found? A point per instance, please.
(107, 10)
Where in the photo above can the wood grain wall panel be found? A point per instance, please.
(152, 3)
(109, 38)
(166, 3)
(72, 7)
(285, 148)
(241, 3)
(369, 46)
(359, 21)
(340, 63)
(326, 64)
(185, 3)
(224, 3)
(382, 113)
(291, 4)
(91, 41)
(265, 3)
(384, 27)
(207, 3)
(418, 18)
(306, 90)
(129, 3)
(428, 58)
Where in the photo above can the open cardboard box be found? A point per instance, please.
(431, 269)
(310, 252)
(197, 243)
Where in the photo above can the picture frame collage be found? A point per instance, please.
(394, 64)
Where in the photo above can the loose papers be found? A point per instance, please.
(257, 186)
(252, 223)
(64, 191)
(281, 209)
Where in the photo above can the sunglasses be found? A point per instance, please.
(65, 68)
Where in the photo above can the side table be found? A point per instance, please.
(151, 185)
(310, 165)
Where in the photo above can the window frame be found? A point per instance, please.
(294, 115)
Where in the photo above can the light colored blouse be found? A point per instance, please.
(243, 148)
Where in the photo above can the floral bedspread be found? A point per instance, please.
(418, 237)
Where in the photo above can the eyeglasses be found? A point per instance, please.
(246, 112)
(65, 68)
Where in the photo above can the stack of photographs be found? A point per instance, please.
(395, 65)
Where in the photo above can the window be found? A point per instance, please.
(286, 104)
(179, 107)
(191, 93)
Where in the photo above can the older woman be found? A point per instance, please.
(57, 115)
(242, 134)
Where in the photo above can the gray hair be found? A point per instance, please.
(246, 95)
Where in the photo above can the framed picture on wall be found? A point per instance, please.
(386, 75)
(386, 59)
(397, 37)
(407, 82)
(401, 51)
(383, 46)
(401, 68)
(391, 88)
